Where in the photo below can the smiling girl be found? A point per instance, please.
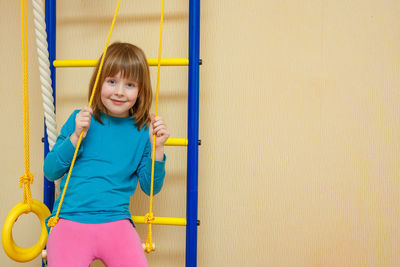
(115, 155)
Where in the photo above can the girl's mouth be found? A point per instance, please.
(117, 102)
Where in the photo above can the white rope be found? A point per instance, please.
(45, 79)
(44, 70)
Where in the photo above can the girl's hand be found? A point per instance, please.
(82, 123)
(159, 128)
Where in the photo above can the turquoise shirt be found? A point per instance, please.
(112, 159)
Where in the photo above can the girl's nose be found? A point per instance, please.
(119, 90)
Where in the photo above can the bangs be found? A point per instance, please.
(125, 62)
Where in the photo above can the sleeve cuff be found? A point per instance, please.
(159, 164)
(164, 159)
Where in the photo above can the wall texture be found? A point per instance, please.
(299, 121)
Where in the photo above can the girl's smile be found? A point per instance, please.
(117, 102)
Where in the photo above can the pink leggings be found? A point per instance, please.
(116, 244)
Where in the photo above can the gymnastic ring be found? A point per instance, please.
(13, 250)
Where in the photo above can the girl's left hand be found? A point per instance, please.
(159, 128)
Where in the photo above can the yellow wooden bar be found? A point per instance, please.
(176, 142)
(93, 62)
(169, 61)
(161, 220)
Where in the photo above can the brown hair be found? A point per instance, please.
(131, 61)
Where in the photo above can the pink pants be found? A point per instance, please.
(116, 244)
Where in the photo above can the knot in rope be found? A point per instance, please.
(148, 247)
(149, 217)
(26, 179)
(52, 221)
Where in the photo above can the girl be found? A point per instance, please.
(115, 154)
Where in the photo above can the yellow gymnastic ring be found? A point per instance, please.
(13, 250)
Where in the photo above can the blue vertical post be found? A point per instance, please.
(50, 19)
(193, 133)
(50, 14)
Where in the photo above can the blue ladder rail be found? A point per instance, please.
(193, 133)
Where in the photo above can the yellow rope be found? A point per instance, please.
(27, 178)
(149, 217)
(53, 220)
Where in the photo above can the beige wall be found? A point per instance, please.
(299, 121)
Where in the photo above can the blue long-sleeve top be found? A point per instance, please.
(112, 159)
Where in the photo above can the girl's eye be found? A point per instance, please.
(131, 85)
(111, 81)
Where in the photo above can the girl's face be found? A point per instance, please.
(119, 95)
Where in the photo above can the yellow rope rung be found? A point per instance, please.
(93, 62)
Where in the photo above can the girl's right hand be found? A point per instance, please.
(82, 123)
